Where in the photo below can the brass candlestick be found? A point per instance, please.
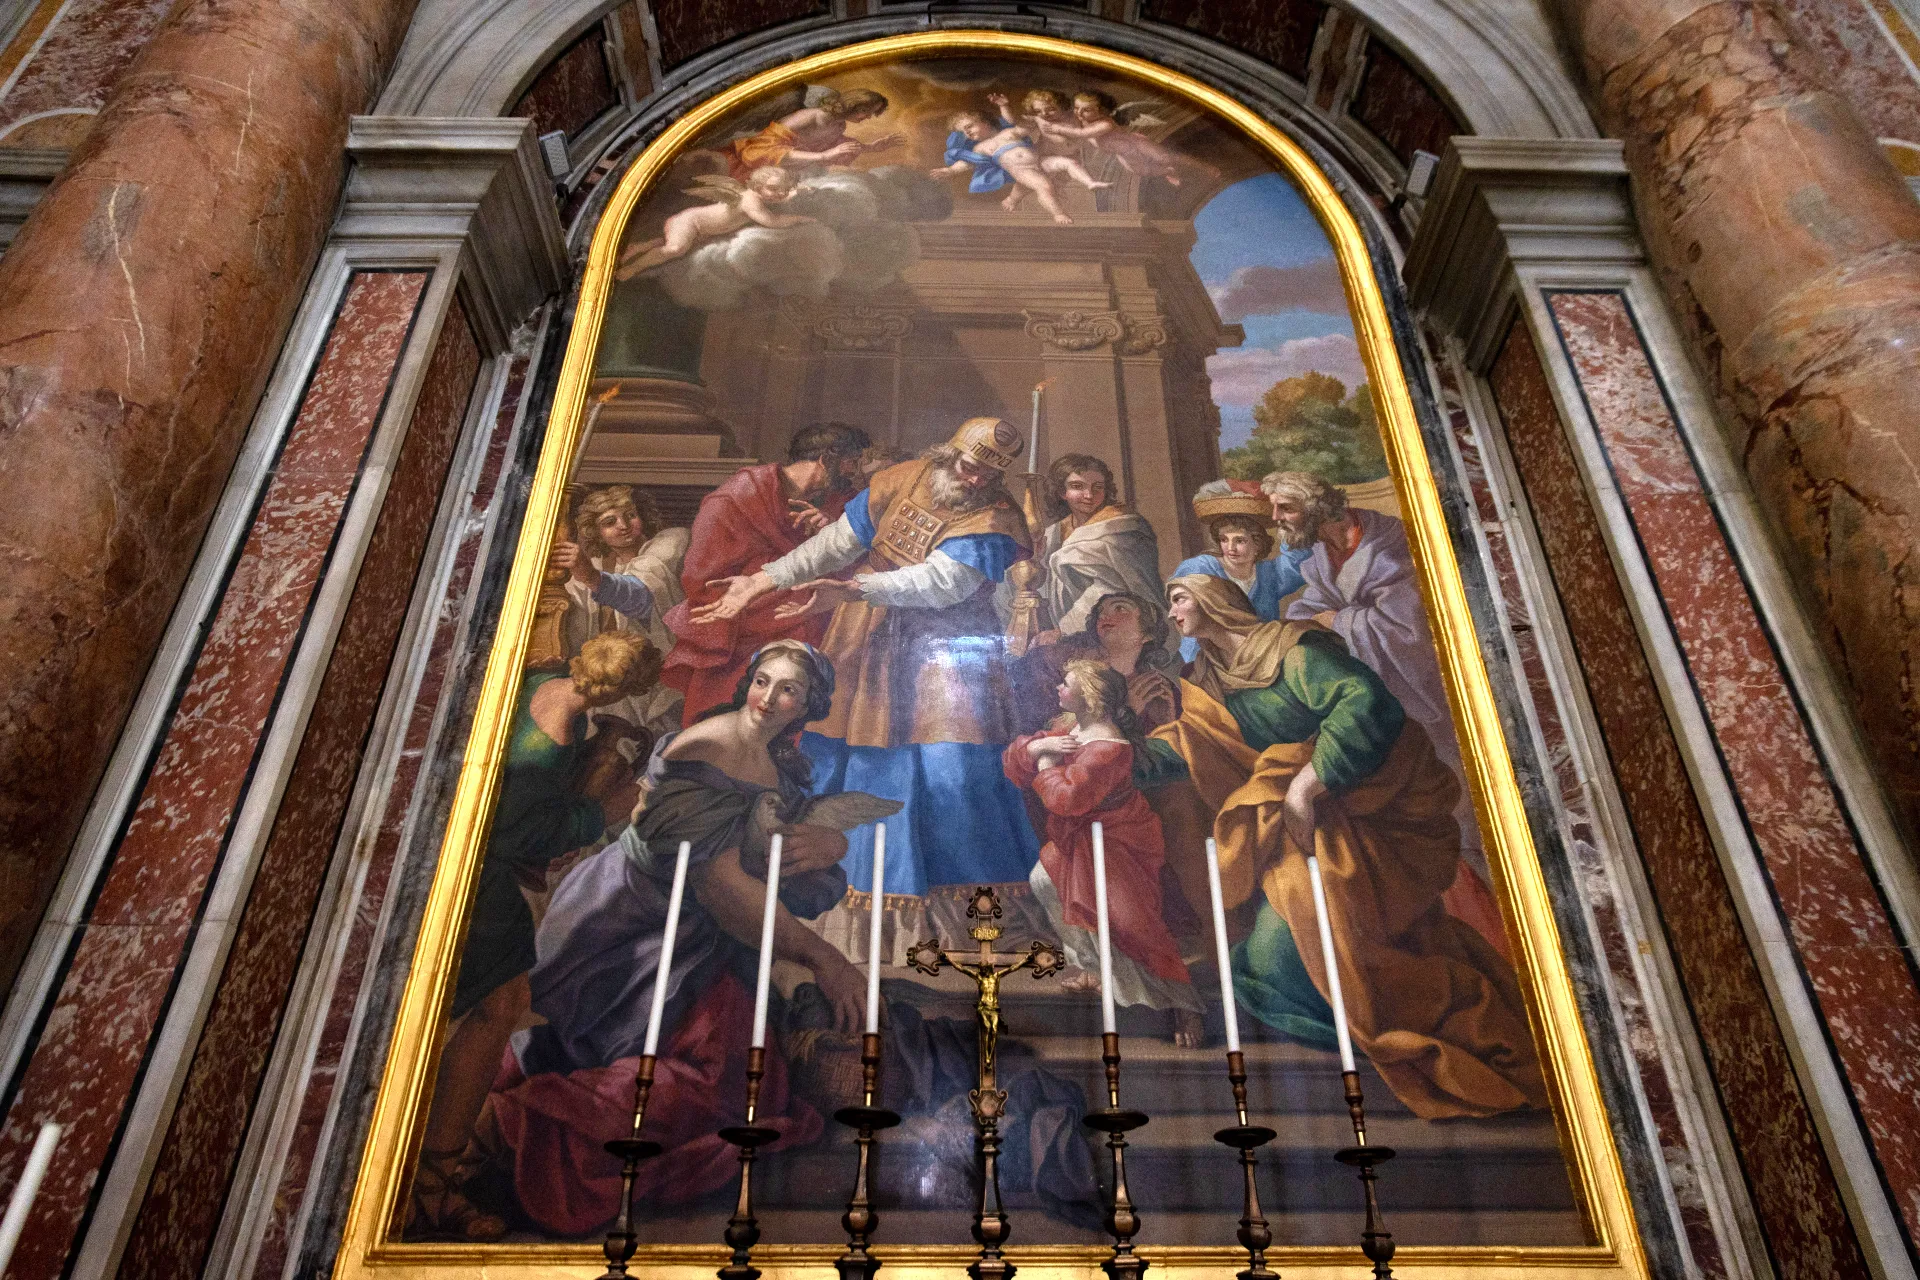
(1247, 1138)
(984, 965)
(632, 1149)
(743, 1229)
(1375, 1240)
(866, 1119)
(1116, 1122)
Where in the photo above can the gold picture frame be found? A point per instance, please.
(370, 1248)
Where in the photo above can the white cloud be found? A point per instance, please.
(1269, 290)
(1243, 375)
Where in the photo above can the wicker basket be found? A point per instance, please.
(824, 1066)
(1253, 504)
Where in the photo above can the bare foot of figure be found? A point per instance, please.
(1081, 981)
(1189, 1032)
(1011, 203)
(1062, 220)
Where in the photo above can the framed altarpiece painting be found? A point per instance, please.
(982, 437)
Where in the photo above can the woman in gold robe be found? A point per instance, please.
(1294, 743)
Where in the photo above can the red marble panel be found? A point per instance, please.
(573, 90)
(81, 54)
(1337, 55)
(96, 1037)
(1867, 67)
(189, 1184)
(316, 1103)
(1821, 881)
(688, 27)
(1279, 31)
(1399, 107)
(1617, 946)
(1793, 1187)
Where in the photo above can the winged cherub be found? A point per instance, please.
(1111, 127)
(738, 205)
(1002, 153)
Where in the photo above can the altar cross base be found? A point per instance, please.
(986, 967)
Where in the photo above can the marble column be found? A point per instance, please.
(180, 981)
(1768, 851)
(1791, 250)
(141, 308)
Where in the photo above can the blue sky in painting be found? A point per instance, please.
(1264, 223)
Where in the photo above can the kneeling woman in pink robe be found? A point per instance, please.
(1085, 776)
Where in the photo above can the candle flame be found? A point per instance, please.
(1042, 385)
(607, 395)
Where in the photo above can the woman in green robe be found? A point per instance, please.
(1298, 747)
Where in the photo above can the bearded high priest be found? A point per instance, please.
(922, 704)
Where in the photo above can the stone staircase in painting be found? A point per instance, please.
(1499, 1181)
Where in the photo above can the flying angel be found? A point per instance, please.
(1112, 127)
(734, 205)
(804, 128)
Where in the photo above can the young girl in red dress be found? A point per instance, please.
(1085, 775)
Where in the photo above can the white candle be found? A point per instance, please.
(873, 932)
(1333, 967)
(674, 897)
(1220, 947)
(766, 945)
(1033, 442)
(1106, 932)
(25, 1190)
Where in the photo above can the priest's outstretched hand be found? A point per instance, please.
(822, 595)
(738, 594)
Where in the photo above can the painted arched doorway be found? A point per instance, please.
(1022, 329)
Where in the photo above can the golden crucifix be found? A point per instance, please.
(986, 967)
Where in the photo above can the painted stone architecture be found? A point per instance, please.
(286, 293)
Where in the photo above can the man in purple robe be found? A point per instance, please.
(1360, 582)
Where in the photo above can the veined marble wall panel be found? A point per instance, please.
(1400, 108)
(574, 90)
(1787, 1170)
(95, 1037)
(1645, 1041)
(1280, 33)
(689, 27)
(1872, 52)
(363, 919)
(1835, 912)
(190, 1182)
(57, 72)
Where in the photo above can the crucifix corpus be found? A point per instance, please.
(986, 967)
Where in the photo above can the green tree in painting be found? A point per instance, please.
(1311, 423)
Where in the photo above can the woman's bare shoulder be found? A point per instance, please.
(698, 742)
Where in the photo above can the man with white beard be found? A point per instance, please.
(923, 702)
(1360, 583)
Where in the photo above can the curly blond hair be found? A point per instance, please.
(1105, 692)
(1045, 98)
(615, 665)
(613, 497)
(1104, 689)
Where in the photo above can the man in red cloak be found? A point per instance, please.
(760, 514)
